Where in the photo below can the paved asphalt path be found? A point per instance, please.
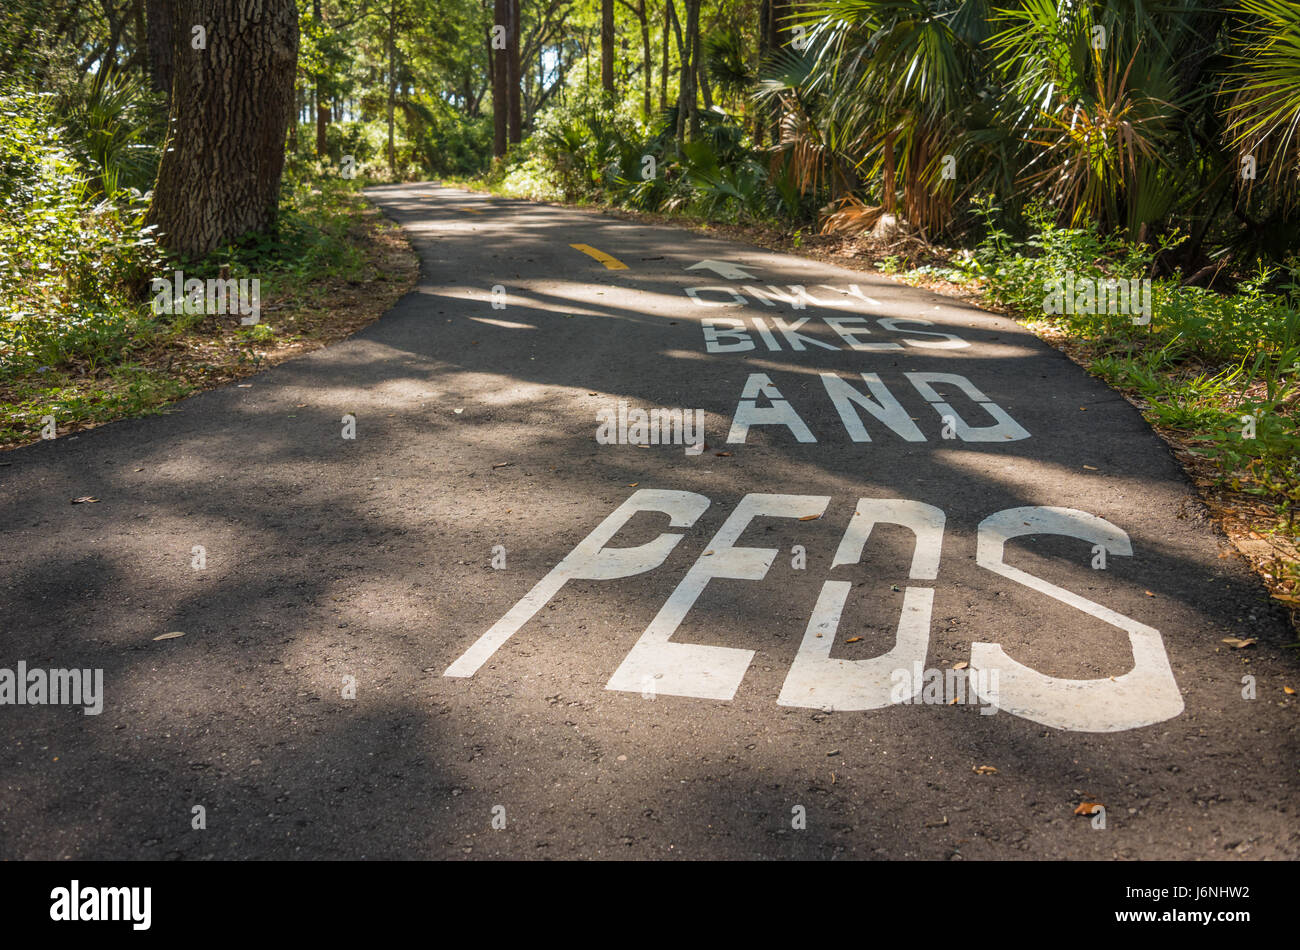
(749, 734)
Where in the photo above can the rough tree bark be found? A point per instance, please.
(219, 177)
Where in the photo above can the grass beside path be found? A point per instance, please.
(336, 266)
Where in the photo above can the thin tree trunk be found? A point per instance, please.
(890, 201)
(322, 113)
(607, 45)
(692, 45)
(702, 74)
(663, 72)
(158, 16)
(293, 125)
(644, 16)
(682, 60)
(392, 86)
(219, 177)
(514, 115)
(139, 43)
(500, 97)
(764, 51)
(781, 31)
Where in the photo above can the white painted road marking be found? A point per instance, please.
(724, 269)
(1145, 695)
(590, 561)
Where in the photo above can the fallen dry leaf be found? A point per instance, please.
(852, 639)
(1091, 468)
(810, 517)
(1288, 690)
(960, 665)
(722, 455)
(85, 500)
(1237, 643)
(633, 485)
(1088, 808)
(984, 770)
(170, 636)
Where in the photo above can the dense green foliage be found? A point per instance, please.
(71, 255)
(1203, 365)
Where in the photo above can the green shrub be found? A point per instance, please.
(71, 269)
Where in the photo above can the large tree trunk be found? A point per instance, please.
(607, 45)
(158, 14)
(500, 81)
(219, 177)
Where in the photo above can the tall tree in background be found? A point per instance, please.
(607, 45)
(232, 100)
(773, 34)
(391, 51)
(500, 77)
(688, 114)
(663, 66)
(548, 25)
(322, 100)
(158, 17)
(647, 70)
(514, 115)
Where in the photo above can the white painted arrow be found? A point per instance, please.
(725, 269)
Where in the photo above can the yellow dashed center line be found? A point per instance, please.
(613, 263)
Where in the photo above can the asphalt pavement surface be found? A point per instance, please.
(888, 577)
